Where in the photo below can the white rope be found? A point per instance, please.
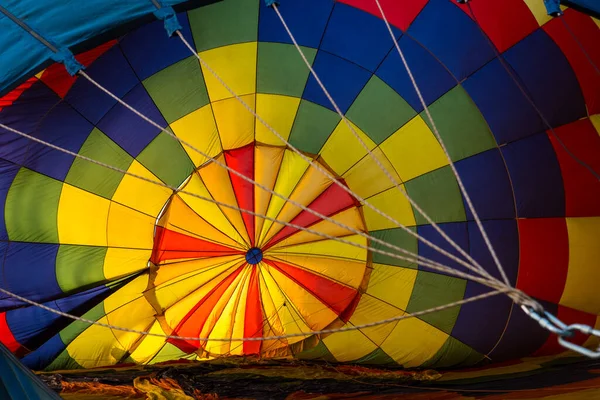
(317, 167)
(377, 161)
(439, 138)
(419, 259)
(260, 338)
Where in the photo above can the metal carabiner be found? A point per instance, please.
(586, 330)
(548, 321)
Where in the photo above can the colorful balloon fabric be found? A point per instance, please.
(91, 241)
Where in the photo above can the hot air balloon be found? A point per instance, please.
(225, 197)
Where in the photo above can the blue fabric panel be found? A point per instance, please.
(112, 71)
(24, 115)
(488, 185)
(29, 271)
(63, 127)
(536, 177)
(591, 5)
(457, 231)
(150, 50)
(358, 36)
(296, 15)
(8, 171)
(452, 36)
(504, 107)
(504, 236)
(548, 77)
(344, 81)
(41, 357)
(522, 335)
(127, 129)
(31, 326)
(63, 22)
(432, 78)
(494, 310)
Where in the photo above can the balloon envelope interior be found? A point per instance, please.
(182, 259)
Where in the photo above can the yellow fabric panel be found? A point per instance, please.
(182, 219)
(149, 346)
(170, 352)
(199, 129)
(291, 170)
(82, 217)
(413, 150)
(120, 262)
(347, 272)
(216, 179)
(596, 122)
(96, 345)
(226, 321)
(234, 121)
(181, 270)
(311, 185)
(328, 248)
(393, 203)
(129, 228)
(597, 21)
(412, 342)
(342, 150)
(209, 211)
(316, 314)
(350, 218)
(283, 318)
(180, 295)
(141, 195)
(366, 178)
(349, 346)
(370, 309)
(538, 9)
(593, 341)
(392, 284)
(236, 66)
(267, 161)
(581, 287)
(277, 111)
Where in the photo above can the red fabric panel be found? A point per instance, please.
(568, 316)
(582, 189)
(505, 22)
(171, 245)
(58, 79)
(334, 295)
(544, 257)
(345, 316)
(191, 325)
(253, 319)
(6, 336)
(13, 95)
(588, 35)
(333, 200)
(399, 13)
(242, 160)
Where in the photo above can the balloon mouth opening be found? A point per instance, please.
(254, 256)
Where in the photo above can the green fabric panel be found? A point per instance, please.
(75, 328)
(319, 352)
(433, 290)
(95, 178)
(377, 357)
(179, 89)
(168, 352)
(79, 266)
(281, 70)
(438, 194)
(31, 208)
(166, 158)
(460, 124)
(379, 111)
(312, 127)
(397, 237)
(225, 22)
(63, 362)
(454, 353)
